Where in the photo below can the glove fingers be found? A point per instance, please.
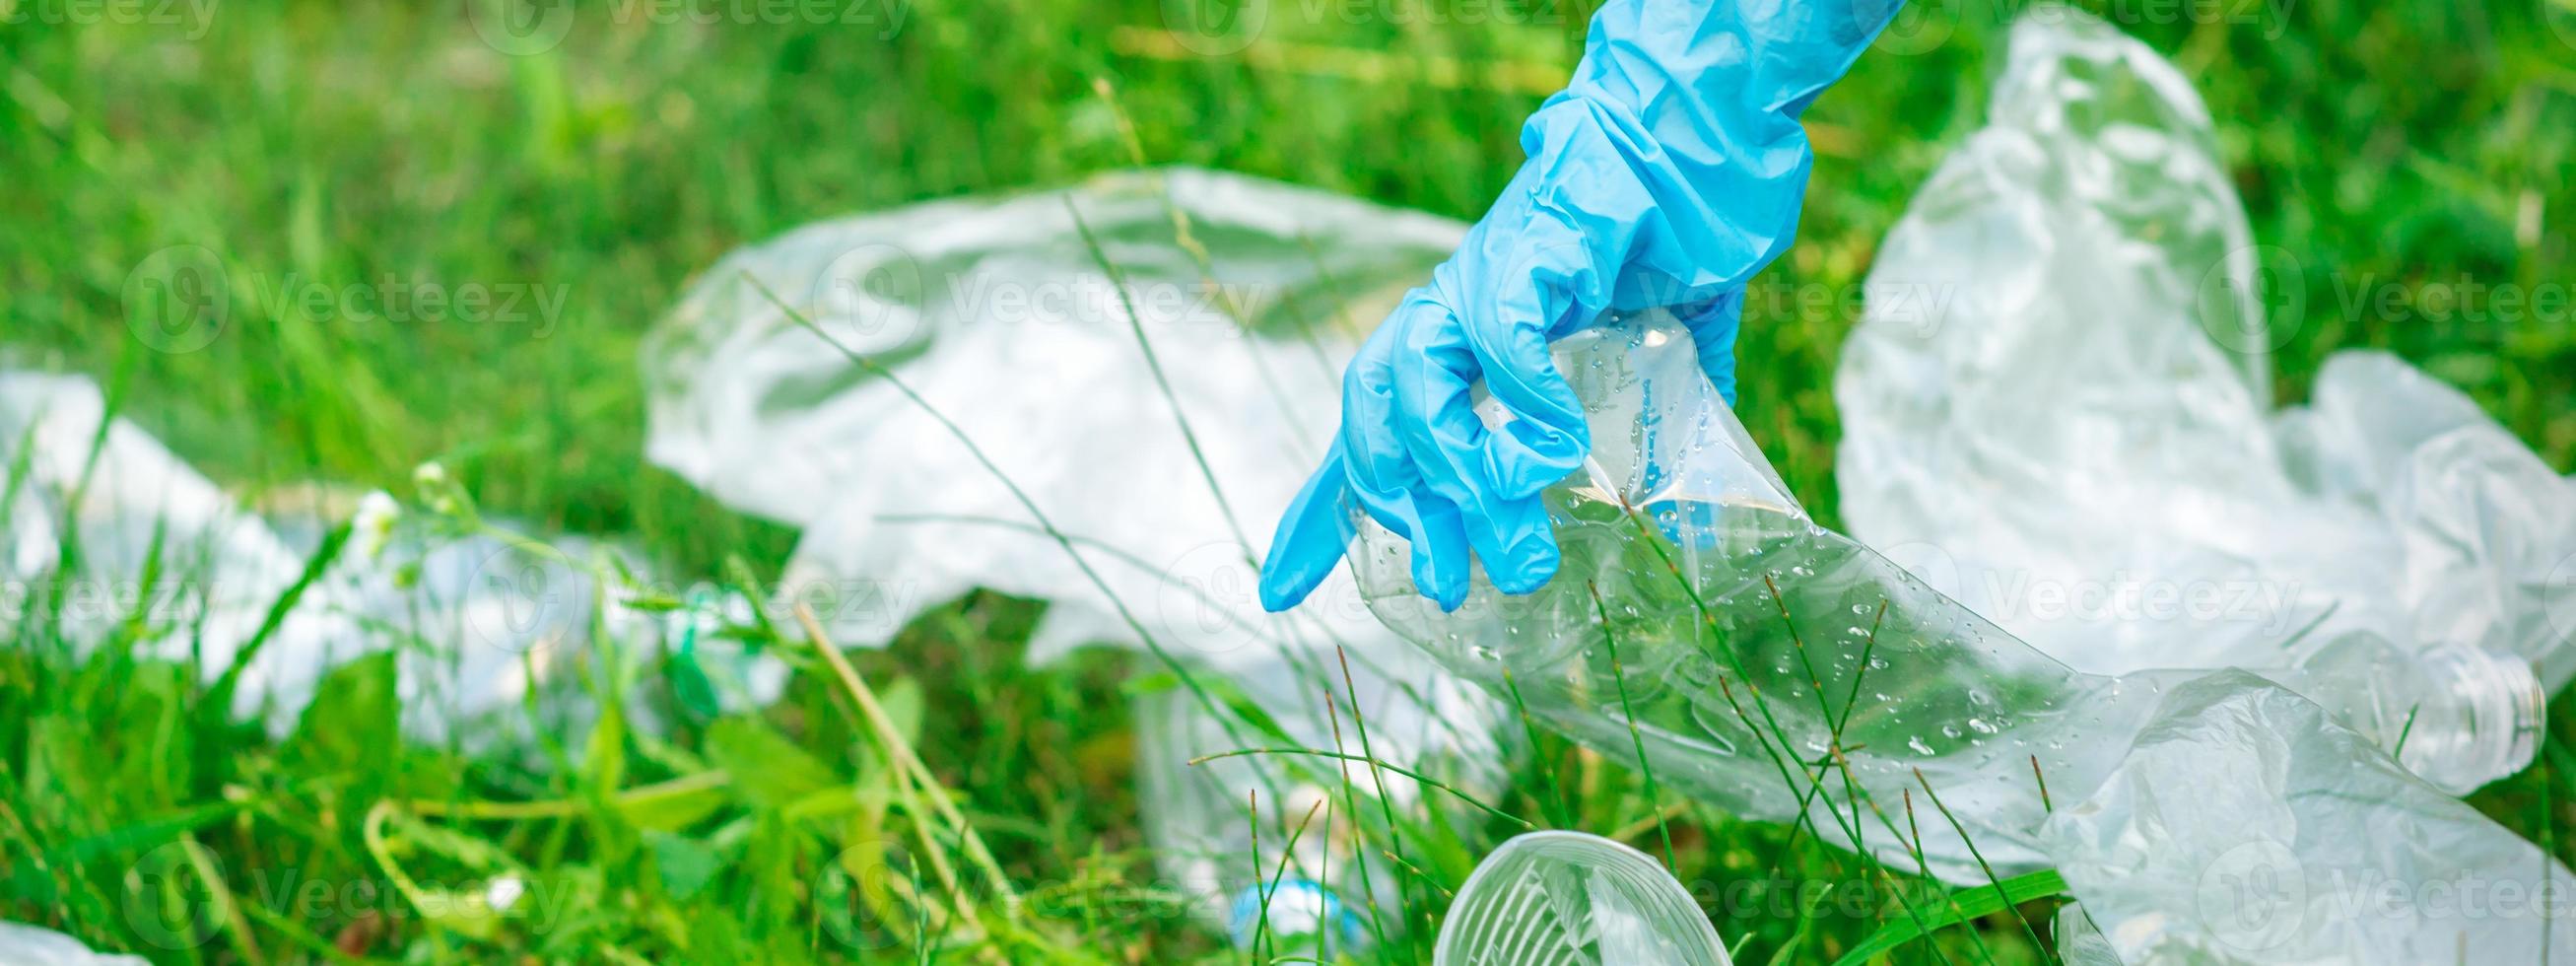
(1433, 372)
(1312, 537)
(1548, 437)
(1390, 486)
(1713, 326)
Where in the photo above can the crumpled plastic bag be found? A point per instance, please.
(1773, 667)
(480, 625)
(25, 945)
(2057, 412)
(997, 313)
(2245, 827)
(1003, 320)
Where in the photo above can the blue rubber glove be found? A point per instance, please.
(1666, 174)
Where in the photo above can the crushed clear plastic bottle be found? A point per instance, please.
(1769, 664)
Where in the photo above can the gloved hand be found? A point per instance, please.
(1666, 174)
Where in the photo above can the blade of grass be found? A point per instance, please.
(1359, 829)
(1375, 763)
(1556, 810)
(1281, 875)
(1619, 673)
(890, 736)
(1991, 878)
(1126, 615)
(1967, 904)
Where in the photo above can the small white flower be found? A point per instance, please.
(431, 479)
(373, 526)
(502, 893)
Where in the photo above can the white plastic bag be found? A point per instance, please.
(996, 312)
(484, 629)
(25, 945)
(2057, 412)
(1017, 337)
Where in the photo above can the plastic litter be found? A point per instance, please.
(1576, 899)
(484, 629)
(1199, 816)
(1761, 656)
(1307, 857)
(25, 945)
(1000, 316)
(2057, 412)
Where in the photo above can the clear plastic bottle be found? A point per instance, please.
(2456, 716)
(1760, 655)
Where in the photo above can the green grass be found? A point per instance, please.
(2405, 146)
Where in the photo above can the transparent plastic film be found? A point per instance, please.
(1697, 600)
(1769, 666)
(1576, 899)
(2057, 411)
(490, 636)
(1069, 369)
(1225, 301)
